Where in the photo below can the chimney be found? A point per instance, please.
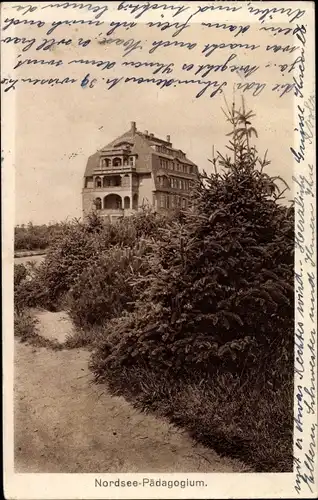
(146, 132)
(133, 127)
(168, 138)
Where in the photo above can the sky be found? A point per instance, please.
(58, 128)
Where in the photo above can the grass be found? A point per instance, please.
(242, 420)
(83, 338)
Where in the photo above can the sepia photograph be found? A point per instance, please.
(160, 248)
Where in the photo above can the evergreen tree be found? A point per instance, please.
(219, 291)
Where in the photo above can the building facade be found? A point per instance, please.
(137, 169)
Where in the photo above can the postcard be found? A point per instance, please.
(159, 250)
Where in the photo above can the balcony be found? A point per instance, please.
(120, 161)
(113, 152)
(108, 189)
(119, 212)
(112, 169)
(114, 213)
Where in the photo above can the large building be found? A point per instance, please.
(137, 169)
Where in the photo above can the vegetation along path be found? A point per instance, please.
(65, 423)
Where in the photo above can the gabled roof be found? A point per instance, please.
(141, 144)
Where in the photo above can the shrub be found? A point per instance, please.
(24, 325)
(214, 275)
(212, 331)
(104, 288)
(63, 264)
(33, 237)
(20, 274)
(79, 248)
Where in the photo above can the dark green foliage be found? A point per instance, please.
(24, 326)
(32, 237)
(21, 280)
(219, 292)
(20, 274)
(209, 343)
(108, 285)
(104, 288)
(65, 261)
(76, 258)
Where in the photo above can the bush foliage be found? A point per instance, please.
(71, 274)
(33, 237)
(219, 292)
(104, 289)
(209, 342)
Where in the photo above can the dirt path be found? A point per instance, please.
(30, 258)
(64, 423)
(55, 326)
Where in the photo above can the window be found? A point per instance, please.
(105, 163)
(131, 161)
(126, 202)
(117, 162)
(162, 200)
(164, 163)
(98, 182)
(163, 180)
(112, 181)
(98, 203)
